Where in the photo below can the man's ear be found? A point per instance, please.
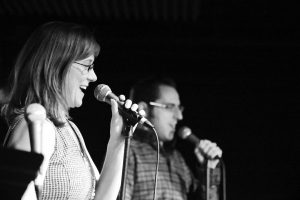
(144, 106)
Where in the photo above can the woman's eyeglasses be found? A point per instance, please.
(88, 67)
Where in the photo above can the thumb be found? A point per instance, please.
(199, 155)
(116, 122)
(114, 106)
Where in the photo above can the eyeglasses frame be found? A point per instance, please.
(89, 67)
(167, 106)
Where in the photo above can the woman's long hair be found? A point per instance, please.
(41, 67)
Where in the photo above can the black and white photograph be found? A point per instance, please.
(149, 100)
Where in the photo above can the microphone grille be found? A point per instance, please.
(101, 92)
(184, 132)
(35, 112)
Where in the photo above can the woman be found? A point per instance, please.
(53, 69)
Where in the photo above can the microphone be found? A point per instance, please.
(35, 114)
(103, 93)
(185, 133)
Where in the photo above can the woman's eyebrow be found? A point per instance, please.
(88, 61)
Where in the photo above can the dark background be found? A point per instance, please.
(235, 63)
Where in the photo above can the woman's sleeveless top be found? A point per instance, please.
(69, 174)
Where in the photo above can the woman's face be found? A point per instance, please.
(78, 78)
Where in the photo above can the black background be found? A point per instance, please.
(235, 63)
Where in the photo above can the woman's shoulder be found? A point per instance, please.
(19, 136)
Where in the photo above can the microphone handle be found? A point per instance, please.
(195, 140)
(35, 131)
(130, 116)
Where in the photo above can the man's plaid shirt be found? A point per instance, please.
(175, 180)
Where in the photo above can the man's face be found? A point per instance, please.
(165, 119)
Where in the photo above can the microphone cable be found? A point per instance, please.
(223, 179)
(223, 182)
(157, 163)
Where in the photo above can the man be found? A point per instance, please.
(159, 98)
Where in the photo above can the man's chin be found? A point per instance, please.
(170, 137)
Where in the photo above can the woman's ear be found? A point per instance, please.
(144, 106)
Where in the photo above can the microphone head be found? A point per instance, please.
(184, 132)
(101, 91)
(35, 112)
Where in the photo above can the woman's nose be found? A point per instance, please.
(92, 76)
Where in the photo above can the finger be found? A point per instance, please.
(122, 97)
(212, 153)
(207, 146)
(211, 146)
(128, 103)
(215, 152)
(204, 145)
(219, 152)
(134, 107)
(142, 112)
(199, 155)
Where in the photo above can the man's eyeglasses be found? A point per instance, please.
(88, 67)
(168, 106)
